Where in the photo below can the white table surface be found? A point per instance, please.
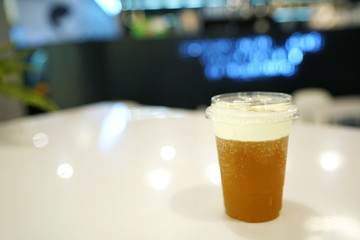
(105, 171)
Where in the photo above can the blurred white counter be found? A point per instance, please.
(106, 171)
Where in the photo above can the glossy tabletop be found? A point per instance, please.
(109, 171)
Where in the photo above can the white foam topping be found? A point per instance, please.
(251, 132)
(252, 116)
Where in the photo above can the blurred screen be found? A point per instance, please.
(40, 22)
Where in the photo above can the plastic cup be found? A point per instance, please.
(252, 131)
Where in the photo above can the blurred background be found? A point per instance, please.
(180, 53)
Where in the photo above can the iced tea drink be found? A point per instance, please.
(252, 131)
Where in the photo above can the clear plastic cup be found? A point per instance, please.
(252, 131)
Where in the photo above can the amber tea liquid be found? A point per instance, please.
(252, 174)
(252, 131)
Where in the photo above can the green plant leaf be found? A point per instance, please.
(28, 96)
(7, 47)
(12, 64)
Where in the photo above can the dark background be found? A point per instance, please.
(150, 71)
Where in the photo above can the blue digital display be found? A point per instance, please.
(249, 58)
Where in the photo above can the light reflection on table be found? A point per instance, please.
(40, 140)
(330, 160)
(65, 171)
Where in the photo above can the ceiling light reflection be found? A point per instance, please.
(159, 179)
(65, 171)
(40, 140)
(167, 152)
(213, 172)
(113, 125)
(330, 160)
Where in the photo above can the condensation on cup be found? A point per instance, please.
(252, 131)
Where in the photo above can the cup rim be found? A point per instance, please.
(281, 97)
(252, 107)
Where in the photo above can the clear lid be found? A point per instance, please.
(252, 107)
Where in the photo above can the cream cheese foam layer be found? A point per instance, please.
(252, 116)
(251, 132)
